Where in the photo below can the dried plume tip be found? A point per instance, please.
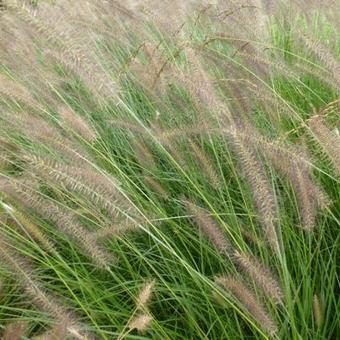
(77, 123)
(252, 237)
(42, 132)
(294, 164)
(145, 295)
(91, 183)
(274, 150)
(58, 332)
(307, 197)
(97, 81)
(261, 275)
(324, 54)
(329, 142)
(23, 221)
(68, 52)
(209, 228)
(33, 126)
(260, 186)
(150, 75)
(15, 330)
(201, 85)
(16, 92)
(23, 271)
(63, 219)
(249, 301)
(206, 164)
(318, 311)
(156, 186)
(141, 322)
(114, 230)
(166, 136)
(34, 230)
(143, 154)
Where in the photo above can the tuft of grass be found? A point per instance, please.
(132, 135)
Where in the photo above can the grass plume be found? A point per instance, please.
(248, 300)
(209, 228)
(261, 276)
(329, 141)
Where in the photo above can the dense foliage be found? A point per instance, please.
(169, 170)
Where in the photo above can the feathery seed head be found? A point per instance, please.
(261, 276)
(249, 301)
(145, 295)
(156, 186)
(318, 311)
(329, 142)
(260, 186)
(208, 226)
(141, 322)
(15, 331)
(58, 332)
(77, 123)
